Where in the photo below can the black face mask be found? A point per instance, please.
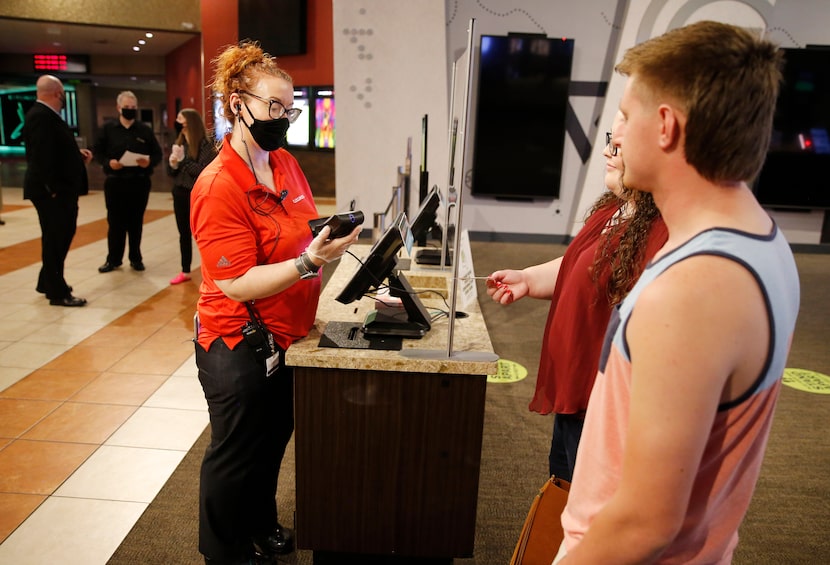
(178, 126)
(129, 113)
(268, 134)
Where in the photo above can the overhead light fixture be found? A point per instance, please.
(148, 35)
(136, 48)
(142, 41)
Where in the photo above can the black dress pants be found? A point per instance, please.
(251, 422)
(58, 219)
(181, 208)
(567, 431)
(126, 199)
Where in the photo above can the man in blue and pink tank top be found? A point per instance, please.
(680, 413)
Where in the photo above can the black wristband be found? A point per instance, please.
(308, 262)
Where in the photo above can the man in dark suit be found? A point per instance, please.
(55, 178)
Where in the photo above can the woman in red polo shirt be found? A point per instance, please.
(249, 215)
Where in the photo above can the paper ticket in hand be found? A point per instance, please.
(130, 159)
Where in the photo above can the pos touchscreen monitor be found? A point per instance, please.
(379, 269)
(427, 214)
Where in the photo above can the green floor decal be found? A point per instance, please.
(508, 372)
(808, 381)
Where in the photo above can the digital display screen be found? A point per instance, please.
(15, 102)
(324, 119)
(299, 133)
(63, 63)
(794, 174)
(521, 107)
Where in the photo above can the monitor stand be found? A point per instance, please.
(413, 322)
(432, 256)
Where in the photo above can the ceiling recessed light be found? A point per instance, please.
(141, 42)
(136, 48)
(148, 35)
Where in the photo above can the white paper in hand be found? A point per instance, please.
(130, 159)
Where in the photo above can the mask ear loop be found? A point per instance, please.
(238, 115)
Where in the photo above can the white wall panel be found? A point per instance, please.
(390, 62)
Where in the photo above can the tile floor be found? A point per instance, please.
(98, 405)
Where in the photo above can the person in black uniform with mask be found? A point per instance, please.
(55, 177)
(191, 153)
(127, 188)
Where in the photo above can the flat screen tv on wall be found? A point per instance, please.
(794, 174)
(519, 139)
(280, 26)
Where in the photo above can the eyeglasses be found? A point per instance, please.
(612, 149)
(276, 109)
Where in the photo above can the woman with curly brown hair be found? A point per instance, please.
(622, 231)
(260, 286)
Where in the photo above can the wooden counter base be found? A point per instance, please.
(387, 448)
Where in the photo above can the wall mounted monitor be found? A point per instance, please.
(324, 118)
(299, 133)
(280, 26)
(519, 139)
(794, 174)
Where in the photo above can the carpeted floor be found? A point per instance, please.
(787, 522)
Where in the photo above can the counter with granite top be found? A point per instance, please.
(470, 333)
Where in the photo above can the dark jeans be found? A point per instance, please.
(126, 200)
(251, 422)
(181, 208)
(58, 219)
(567, 429)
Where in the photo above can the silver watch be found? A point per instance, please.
(305, 267)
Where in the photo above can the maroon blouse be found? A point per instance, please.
(576, 323)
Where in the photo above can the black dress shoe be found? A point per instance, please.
(107, 267)
(280, 542)
(68, 301)
(137, 265)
